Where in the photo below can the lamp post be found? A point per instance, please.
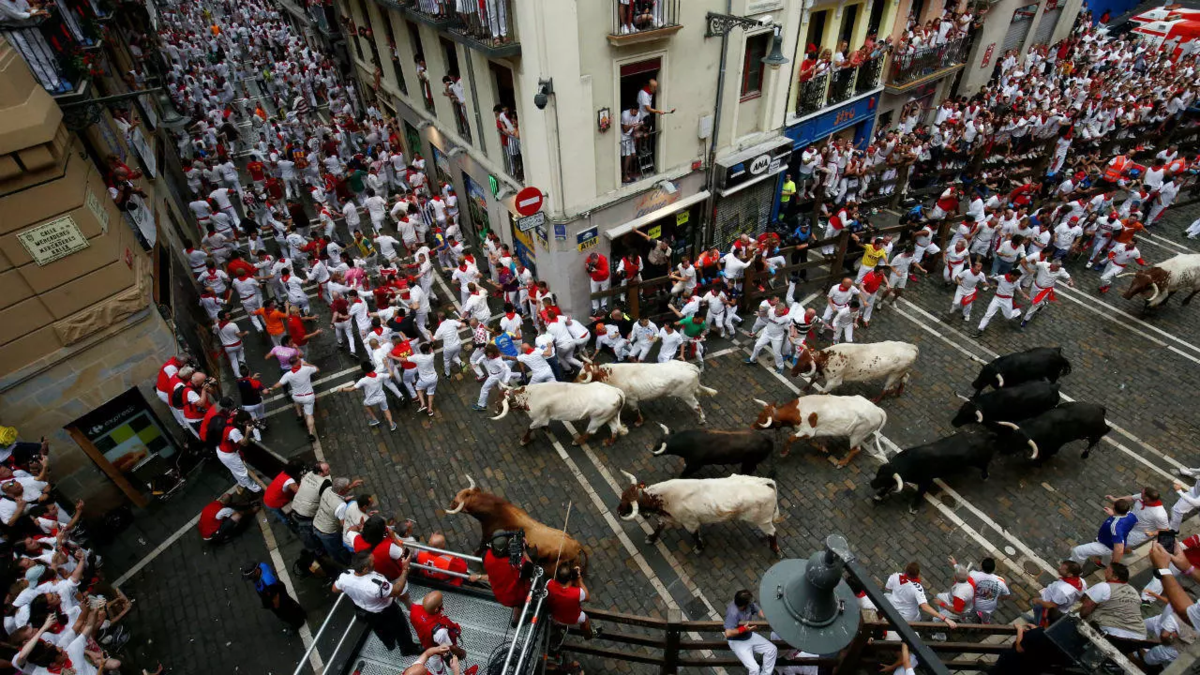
(722, 25)
(812, 608)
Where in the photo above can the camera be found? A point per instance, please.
(516, 548)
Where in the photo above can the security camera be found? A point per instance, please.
(545, 88)
(766, 20)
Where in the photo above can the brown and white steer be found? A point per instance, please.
(824, 416)
(889, 360)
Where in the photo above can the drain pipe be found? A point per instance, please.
(710, 180)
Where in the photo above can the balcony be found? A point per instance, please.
(513, 166)
(913, 67)
(53, 53)
(832, 87)
(461, 123)
(643, 21)
(489, 29)
(436, 13)
(643, 161)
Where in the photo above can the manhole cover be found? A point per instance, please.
(1031, 568)
(1010, 551)
(949, 500)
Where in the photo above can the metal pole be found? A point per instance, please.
(532, 630)
(710, 201)
(425, 547)
(929, 662)
(338, 648)
(311, 647)
(460, 575)
(537, 575)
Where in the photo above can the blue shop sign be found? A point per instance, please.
(818, 128)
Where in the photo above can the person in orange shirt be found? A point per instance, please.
(1132, 227)
(273, 319)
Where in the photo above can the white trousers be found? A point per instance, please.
(868, 301)
(745, 651)
(959, 294)
(1178, 511)
(1004, 305)
(233, 462)
(344, 333)
(1194, 229)
(1081, 553)
(489, 384)
(451, 354)
(640, 349)
(597, 287)
(776, 348)
(846, 329)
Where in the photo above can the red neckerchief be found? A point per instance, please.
(1075, 582)
(285, 277)
(904, 579)
(296, 368)
(222, 324)
(509, 315)
(1156, 502)
(62, 668)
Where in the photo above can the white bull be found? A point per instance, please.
(693, 502)
(649, 381)
(824, 416)
(598, 403)
(1181, 273)
(858, 363)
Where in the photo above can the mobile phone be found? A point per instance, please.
(1167, 540)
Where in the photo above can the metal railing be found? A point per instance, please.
(490, 22)
(440, 9)
(47, 46)
(643, 16)
(812, 94)
(426, 91)
(868, 74)
(644, 161)
(841, 85)
(909, 64)
(460, 118)
(513, 165)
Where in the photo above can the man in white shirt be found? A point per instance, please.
(1046, 276)
(989, 589)
(1061, 594)
(371, 385)
(376, 597)
(778, 320)
(904, 591)
(447, 332)
(967, 285)
(299, 378)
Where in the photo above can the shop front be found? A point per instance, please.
(855, 120)
(747, 191)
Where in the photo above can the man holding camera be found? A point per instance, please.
(597, 269)
(508, 569)
(565, 596)
(375, 597)
(234, 437)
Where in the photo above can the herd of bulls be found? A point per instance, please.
(1016, 407)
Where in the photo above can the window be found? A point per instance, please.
(816, 29)
(752, 69)
(849, 18)
(639, 149)
(506, 119)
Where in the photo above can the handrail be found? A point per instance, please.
(313, 645)
(441, 551)
(437, 570)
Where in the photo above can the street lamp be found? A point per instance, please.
(813, 609)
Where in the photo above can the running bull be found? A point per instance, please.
(1181, 273)
(598, 403)
(497, 515)
(1047, 433)
(700, 448)
(922, 464)
(1039, 363)
(857, 363)
(824, 416)
(648, 381)
(1011, 404)
(692, 502)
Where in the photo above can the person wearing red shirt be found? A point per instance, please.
(296, 329)
(597, 269)
(565, 594)
(868, 289)
(257, 173)
(219, 521)
(282, 490)
(434, 629)
(510, 584)
(236, 266)
(442, 561)
(274, 188)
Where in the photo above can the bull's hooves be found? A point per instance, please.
(876, 498)
(650, 540)
(912, 510)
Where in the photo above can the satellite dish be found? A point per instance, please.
(807, 602)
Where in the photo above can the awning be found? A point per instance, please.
(752, 181)
(622, 230)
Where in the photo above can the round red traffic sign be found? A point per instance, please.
(529, 201)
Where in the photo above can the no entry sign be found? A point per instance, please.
(529, 201)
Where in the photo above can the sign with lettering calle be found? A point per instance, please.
(54, 240)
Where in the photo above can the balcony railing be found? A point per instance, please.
(868, 75)
(489, 23)
(460, 118)
(909, 65)
(513, 165)
(51, 51)
(841, 85)
(437, 13)
(320, 18)
(643, 163)
(812, 94)
(643, 20)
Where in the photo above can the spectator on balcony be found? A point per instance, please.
(645, 100)
(454, 92)
(631, 129)
(839, 56)
(498, 21)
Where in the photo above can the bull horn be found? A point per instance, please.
(761, 402)
(767, 424)
(1010, 425)
(899, 482)
(503, 386)
(962, 397)
(585, 376)
(812, 370)
(633, 511)
(456, 510)
(585, 359)
(1127, 274)
(1035, 449)
(666, 431)
(979, 417)
(631, 477)
(503, 409)
(661, 449)
(1000, 380)
(471, 483)
(1155, 296)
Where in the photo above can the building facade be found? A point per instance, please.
(1015, 25)
(596, 59)
(84, 266)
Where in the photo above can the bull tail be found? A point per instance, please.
(583, 562)
(775, 517)
(1066, 363)
(620, 427)
(879, 437)
(708, 391)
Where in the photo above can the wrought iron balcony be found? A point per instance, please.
(436, 13)
(911, 65)
(51, 49)
(812, 94)
(868, 74)
(637, 21)
(488, 26)
(841, 85)
(837, 86)
(513, 165)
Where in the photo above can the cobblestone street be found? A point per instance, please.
(1139, 367)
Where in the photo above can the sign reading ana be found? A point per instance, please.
(52, 241)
